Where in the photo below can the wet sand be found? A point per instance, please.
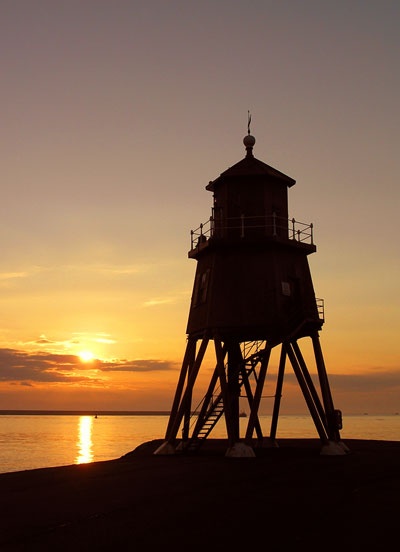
(286, 498)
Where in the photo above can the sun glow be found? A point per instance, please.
(86, 356)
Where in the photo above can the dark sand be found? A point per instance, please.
(287, 498)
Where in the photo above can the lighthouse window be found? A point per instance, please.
(286, 289)
(200, 290)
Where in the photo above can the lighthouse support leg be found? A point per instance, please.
(324, 415)
(253, 419)
(188, 360)
(278, 394)
(235, 448)
(220, 354)
(250, 399)
(310, 385)
(235, 360)
(306, 392)
(333, 416)
(182, 401)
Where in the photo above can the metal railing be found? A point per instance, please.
(270, 225)
(301, 231)
(202, 233)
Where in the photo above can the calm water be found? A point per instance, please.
(37, 441)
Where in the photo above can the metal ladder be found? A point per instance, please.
(216, 407)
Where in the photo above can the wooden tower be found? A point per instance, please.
(252, 292)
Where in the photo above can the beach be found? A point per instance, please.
(285, 497)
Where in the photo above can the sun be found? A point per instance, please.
(86, 356)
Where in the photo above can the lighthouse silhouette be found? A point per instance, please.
(252, 293)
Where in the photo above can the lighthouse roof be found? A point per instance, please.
(250, 166)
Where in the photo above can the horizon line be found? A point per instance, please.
(12, 412)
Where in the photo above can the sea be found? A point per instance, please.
(48, 439)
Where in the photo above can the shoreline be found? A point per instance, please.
(284, 497)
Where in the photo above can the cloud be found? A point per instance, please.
(77, 338)
(95, 338)
(43, 340)
(12, 275)
(147, 365)
(378, 380)
(158, 301)
(370, 381)
(27, 368)
(39, 367)
(47, 367)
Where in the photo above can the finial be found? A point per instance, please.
(249, 140)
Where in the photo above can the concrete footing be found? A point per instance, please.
(240, 450)
(165, 449)
(334, 448)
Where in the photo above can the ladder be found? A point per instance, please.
(204, 424)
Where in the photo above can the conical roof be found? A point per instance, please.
(250, 166)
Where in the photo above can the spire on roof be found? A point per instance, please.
(249, 140)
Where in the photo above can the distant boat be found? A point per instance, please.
(242, 414)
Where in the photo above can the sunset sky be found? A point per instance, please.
(114, 117)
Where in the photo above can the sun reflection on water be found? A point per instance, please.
(84, 445)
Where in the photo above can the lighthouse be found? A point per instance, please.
(252, 293)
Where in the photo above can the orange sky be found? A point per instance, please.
(115, 117)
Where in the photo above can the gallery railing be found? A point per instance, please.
(243, 226)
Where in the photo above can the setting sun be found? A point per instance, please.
(86, 356)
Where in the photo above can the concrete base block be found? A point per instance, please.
(240, 450)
